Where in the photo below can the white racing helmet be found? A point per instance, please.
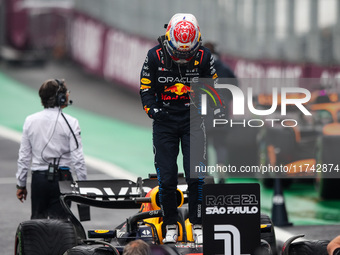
(183, 37)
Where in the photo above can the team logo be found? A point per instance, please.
(178, 89)
(145, 81)
(184, 31)
(142, 87)
(146, 109)
(101, 231)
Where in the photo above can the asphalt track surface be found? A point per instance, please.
(117, 143)
(100, 100)
(110, 116)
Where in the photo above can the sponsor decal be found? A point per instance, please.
(146, 109)
(120, 233)
(178, 89)
(146, 232)
(163, 79)
(101, 231)
(142, 87)
(199, 210)
(111, 189)
(195, 70)
(162, 69)
(196, 63)
(146, 74)
(145, 81)
(192, 74)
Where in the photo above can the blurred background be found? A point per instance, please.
(257, 38)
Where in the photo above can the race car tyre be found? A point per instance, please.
(269, 236)
(310, 247)
(89, 250)
(42, 237)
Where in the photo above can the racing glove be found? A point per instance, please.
(158, 114)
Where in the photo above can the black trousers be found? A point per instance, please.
(168, 138)
(45, 197)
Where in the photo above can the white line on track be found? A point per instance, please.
(98, 164)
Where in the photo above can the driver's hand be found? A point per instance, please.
(158, 114)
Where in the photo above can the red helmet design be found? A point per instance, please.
(183, 37)
(184, 31)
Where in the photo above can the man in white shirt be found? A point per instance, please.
(50, 147)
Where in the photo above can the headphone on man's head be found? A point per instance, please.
(60, 99)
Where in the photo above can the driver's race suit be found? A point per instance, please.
(165, 91)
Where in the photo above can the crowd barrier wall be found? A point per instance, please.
(118, 56)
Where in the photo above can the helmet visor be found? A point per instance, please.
(181, 54)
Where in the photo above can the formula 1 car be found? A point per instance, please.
(68, 237)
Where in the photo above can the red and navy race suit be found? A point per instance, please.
(168, 87)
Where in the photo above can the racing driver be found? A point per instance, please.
(167, 75)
